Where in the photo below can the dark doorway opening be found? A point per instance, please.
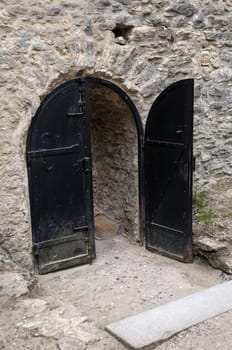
(115, 154)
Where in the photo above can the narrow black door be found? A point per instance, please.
(168, 172)
(60, 184)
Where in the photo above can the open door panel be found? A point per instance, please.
(168, 172)
(60, 183)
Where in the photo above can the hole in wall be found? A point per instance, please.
(115, 164)
(122, 30)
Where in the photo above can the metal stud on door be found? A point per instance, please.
(60, 183)
(168, 172)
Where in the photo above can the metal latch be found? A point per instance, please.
(77, 108)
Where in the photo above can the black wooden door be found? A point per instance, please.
(60, 184)
(168, 172)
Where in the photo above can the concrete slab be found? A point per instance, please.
(154, 326)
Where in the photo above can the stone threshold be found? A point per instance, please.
(154, 326)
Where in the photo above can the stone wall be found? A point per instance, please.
(114, 160)
(142, 46)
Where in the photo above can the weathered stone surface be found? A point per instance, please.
(64, 323)
(45, 44)
(154, 326)
(213, 241)
(68, 343)
(32, 307)
(184, 7)
(6, 262)
(115, 171)
(207, 244)
(221, 259)
(13, 284)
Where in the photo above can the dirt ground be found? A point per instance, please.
(70, 308)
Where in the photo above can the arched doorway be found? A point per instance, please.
(89, 126)
(117, 136)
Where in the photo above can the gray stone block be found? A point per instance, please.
(159, 324)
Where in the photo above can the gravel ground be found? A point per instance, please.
(70, 308)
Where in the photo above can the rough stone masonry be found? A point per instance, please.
(142, 46)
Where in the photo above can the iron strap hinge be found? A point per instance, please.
(52, 151)
(165, 143)
(86, 165)
(75, 114)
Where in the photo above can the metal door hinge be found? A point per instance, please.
(86, 165)
(75, 114)
(51, 151)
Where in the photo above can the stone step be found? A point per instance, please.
(154, 326)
